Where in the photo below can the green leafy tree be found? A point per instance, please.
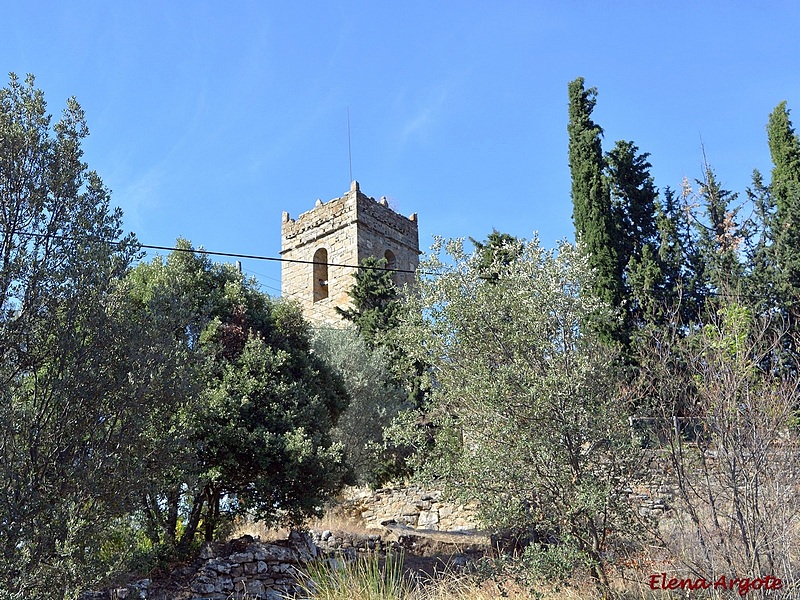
(78, 411)
(254, 435)
(375, 400)
(375, 312)
(528, 418)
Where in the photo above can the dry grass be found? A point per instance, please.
(330, 520)
(336, 522)
(370, 578)
(257, 530)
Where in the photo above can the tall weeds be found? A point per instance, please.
(366, 578)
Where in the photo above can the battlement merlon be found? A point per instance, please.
(354, 207)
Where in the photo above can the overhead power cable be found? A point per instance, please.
(226, 254)
(717, 293)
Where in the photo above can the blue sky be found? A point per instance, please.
(209, 119)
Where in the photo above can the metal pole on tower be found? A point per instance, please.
(349, 155)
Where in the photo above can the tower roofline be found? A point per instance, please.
(355, 191)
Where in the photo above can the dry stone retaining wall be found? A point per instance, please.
(411, 506)
(241, 568)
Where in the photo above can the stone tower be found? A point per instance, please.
(334, 235)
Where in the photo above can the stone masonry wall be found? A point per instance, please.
(349, 228)
(330, 226)
(241, 568)
(411, 506)
(381, 229)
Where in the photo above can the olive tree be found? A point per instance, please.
(524, 403)
(374, 399)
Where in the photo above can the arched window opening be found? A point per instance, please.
(391, 263)
(320, 274)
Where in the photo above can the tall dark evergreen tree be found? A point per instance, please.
(719, 238)
(633, 198)
(376, 301)
(499, 250)
(760, 282)
(633, 203)
(595, 228)
(678, 259)
(784, 146)
(375, 313)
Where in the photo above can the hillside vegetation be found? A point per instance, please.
(148, 404)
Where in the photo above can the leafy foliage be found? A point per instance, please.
(374, 400)
(255, 432)
(732, 457)
(498, 251)
(376, 314)
(592, 213)
(375, 300)
(526, 409)
(784, 146)
(77, 401)
(634, 206)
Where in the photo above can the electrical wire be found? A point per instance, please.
(717, 293)
(226, 254)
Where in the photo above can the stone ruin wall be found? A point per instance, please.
(424, 509)
(381, 229)
(249, 568)
(241, 568)
(256, 570)
(411, 506)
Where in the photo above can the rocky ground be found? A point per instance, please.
(267, 570)
(425, 552)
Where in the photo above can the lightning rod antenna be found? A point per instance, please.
(349, 155)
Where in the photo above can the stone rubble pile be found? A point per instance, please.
(349, 543)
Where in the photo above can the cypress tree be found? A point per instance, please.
(633, 200)
(595, 228)
(376, 301)
(784, 146)
(375, 313)
(760, 282)
(633, 205)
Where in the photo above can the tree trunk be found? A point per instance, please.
(212, 512)
(193, 522)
